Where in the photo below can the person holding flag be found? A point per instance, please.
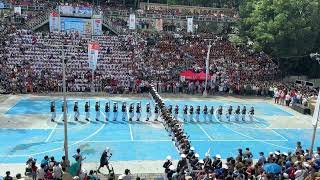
(97, 108)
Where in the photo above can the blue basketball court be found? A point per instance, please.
(143, 140)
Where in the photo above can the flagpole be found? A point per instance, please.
(316, 115)
(207, 71)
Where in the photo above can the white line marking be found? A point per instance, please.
(205, 132)
(54, 128)
(131, 135)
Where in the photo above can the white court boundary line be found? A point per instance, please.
(205, 132)
(56, 149)
(54, 128)
(131, 135)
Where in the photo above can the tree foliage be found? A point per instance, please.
(282, 28)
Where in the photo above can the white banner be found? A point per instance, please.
(159, 24)
(97, 26)
(132, 21)
(315, 118)
(17, 10)
(93, 51)
(190, 24)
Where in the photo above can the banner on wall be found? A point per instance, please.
(190, 24)
(81, 25)
(93, 52)
(159, 24)
(54, 21)
(97, 26)
(17, 10)
(132, 21)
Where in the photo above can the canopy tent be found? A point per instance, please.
(190, 75)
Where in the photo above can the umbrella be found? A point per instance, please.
(272, 168)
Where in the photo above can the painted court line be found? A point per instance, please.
(54, 128)
(131, 135)
(205, 132)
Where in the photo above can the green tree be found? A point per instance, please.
(282, 28)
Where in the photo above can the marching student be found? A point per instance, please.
(53, 111)
(237, 113)
(244, 112)
(185, 112)
(170, 109)
(228, 115)
(220, 110)
(198, 113)
(191, 113)
(205, 112)
(131, 112)
(115, 111)
(124, 111)
(251, 113)
(138, 111)
(211, 113)
(62, 109)
(97, 108)
(76, 111)
(107, 110)
(87, 110)
(176, 112)
(156, 112)
(148, 111)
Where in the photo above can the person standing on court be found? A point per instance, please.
(167, 164)
(107, 110)
(205, 112)
(131, 112)
(176, 112)
(148, 111)
(124, 111)
(211, 113)
(229, 113)
(237, 113)
(198, 113)
(76, 111)
(251, 113)
(138, 111)
(87, 110)
(185, 112)
(104, 159)
(53, 111)
(156, 111)
(220, 110)
(115, 111)
(244, 112)
(191, 113)
(97, 108)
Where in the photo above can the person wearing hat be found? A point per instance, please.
(87, 110)
(167, 164)
(185, 112)
(191, 113)
(217, 163)
(115, 111)
(271, 158)
(131, 112)
(243, 112)
(104, 159)
(207, 162)
(195, 160)
(237, 113)
(148, 111)
(261, 159)
(138, 111)
(251, 113)
(107, 110)
(211, 112)
(176, 112)
(198, 109)
(170, 109)
(220, 110)
(205, 112)
(76, 111)
(53, 111)
(229, 113)
(191, 153)
(124, 111)
(171, 172)
(156, 111)
(182, 163)
(62, 109)
(97, 108)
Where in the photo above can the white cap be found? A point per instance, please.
(207, 155)
(121, 176)
(286, 154)
(76, 177)
(277, 153)
(270, 153)
(107, 149)
(201, 161)
(30, 157)
(169, 158)
(218, 156)
(114, 102)
(285, 175)
(183, 156)
(197, 155)
(171, 167)
(192, 149)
